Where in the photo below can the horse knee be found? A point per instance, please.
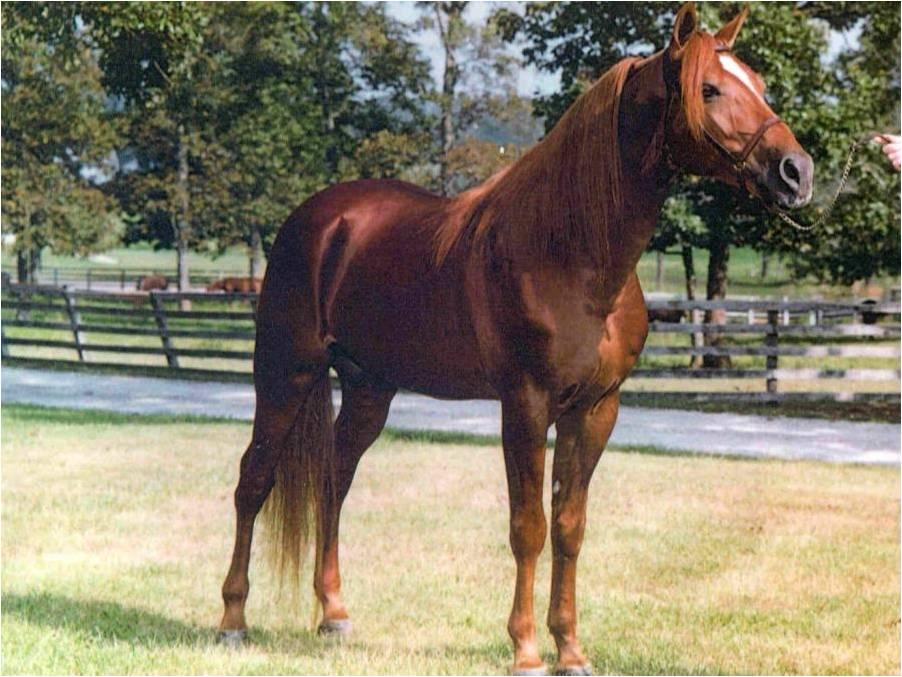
(567, 533)
(527, 532)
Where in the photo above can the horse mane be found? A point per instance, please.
(697, 55)
(561, 201)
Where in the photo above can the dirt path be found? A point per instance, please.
(682, 431)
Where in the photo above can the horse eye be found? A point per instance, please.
(709, 92)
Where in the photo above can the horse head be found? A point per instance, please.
(719, 123)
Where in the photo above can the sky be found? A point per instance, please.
(530, 81)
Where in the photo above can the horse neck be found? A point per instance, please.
(549, 207)
(645, 178)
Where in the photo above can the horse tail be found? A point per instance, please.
(305, 471)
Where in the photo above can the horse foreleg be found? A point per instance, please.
(364, 410)
(524, 435)
(582, 436)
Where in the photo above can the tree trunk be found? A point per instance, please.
(183, 218)
(255, 263)
(659, 270)
(22, 267)
(764, 261)
(445, 15)
(689, 271)
(717, 290)
(27, 263)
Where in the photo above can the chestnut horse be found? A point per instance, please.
(523, 290)
(152, 282)
(235, 285)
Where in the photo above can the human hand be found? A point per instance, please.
(892, 148)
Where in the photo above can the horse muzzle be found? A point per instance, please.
(789, 180)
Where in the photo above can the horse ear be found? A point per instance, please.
(727, 34)
(685, 24)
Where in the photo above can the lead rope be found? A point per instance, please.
(842, 184)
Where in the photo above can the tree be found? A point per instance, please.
(58, 138)
(477, 84)
(154, 61)
(862, 237)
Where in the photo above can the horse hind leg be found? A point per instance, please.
(279, 409)
(364, 409)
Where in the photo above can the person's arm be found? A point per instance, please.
(892, 148)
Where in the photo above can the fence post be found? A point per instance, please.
(122, 278)
(56, 277)
(253, 302)
(24, 310)
(698, 338)
(785, 312)
(771, 340)
(159, 313)
(88, 279)
(75, 323)
(4, 349)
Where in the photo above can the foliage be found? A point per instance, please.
(473, 161)
(58, 137)
(232, 114)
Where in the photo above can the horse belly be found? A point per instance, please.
(404, 321)
(413, 342)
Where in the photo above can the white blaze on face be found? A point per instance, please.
(730, 65)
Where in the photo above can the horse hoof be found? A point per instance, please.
(232, 639)
(340, 629)
(530, 672)
(574, 670)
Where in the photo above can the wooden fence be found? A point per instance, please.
(779, 350)
(107, 278)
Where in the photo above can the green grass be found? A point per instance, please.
(117, 531)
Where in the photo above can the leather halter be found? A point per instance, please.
(740, 162)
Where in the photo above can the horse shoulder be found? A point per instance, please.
(626, 329)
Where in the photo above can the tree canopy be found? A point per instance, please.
(58, 139)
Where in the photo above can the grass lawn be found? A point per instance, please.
(117, 532)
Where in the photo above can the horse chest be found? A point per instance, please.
(557, 330)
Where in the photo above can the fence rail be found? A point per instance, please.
(779, 350)
(106, 278)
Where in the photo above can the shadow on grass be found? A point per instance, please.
(107, 621)
(111, 622)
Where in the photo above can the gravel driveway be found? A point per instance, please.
(673, 430)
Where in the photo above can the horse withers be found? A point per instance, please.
(523, 289)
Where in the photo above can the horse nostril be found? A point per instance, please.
(790, 173)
